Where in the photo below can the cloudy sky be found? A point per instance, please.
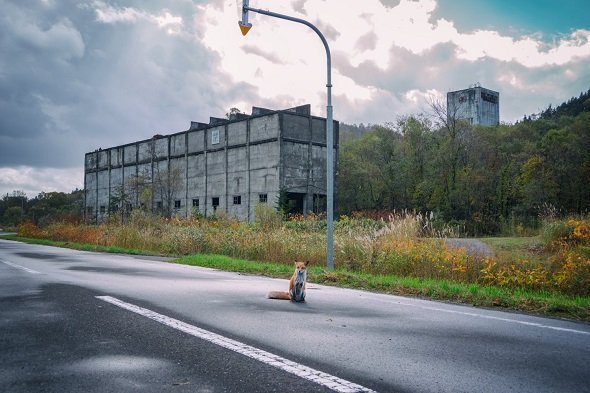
(76, 75)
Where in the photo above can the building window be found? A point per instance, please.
(215, 203)
(237, 199)
(196, 202)
(262, 198)
(214, 137)
(489, 98)
(159, 205)
(89, 210)
(103, 209)
(177, 204)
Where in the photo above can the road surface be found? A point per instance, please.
(472, 246)
(79, 321)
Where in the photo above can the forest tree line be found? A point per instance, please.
(486, 180)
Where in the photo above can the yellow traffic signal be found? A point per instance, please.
(244, 27)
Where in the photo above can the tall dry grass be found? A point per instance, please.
(401, 244)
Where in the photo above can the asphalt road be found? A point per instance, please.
(170, 329)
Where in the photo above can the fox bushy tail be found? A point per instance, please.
(283, 295)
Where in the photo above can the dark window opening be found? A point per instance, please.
(489, 98)
(196, 202)
(263, 198)
(215, 203)
(294, 203)
(237, 199)
(159, 204)
(320, 203)
(177, 204)
(103, 209)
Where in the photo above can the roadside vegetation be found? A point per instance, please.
(526, 181)
(404, 254)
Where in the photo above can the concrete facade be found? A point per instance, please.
(477, 105)
(224, 165)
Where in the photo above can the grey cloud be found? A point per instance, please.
(61, 40)
(70, 84)
(402, 72)
(384, 106)
(259, 52)
(390, 3)
(366, 42)
(327, 30)
(532, 90)
(299, 6)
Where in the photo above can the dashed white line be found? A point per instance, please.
(330, 381)
(26, 269)
(484, 316)
(535, 324)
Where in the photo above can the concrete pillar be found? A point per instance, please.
(186, 205)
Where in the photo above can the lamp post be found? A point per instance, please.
(245, 27)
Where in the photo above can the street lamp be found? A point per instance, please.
(245, 27)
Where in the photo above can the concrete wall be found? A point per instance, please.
(233, 163)
(477, 105)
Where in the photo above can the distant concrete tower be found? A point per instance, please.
(476, 104)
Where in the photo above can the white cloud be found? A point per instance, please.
(280, 58)
(106, 13)
(34, 180)
(528, 51)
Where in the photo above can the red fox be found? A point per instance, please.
(296, 285)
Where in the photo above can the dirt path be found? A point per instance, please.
(473, 246)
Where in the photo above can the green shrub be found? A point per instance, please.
(267, 216)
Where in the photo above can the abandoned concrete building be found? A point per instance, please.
(227, 165)
(477, 105)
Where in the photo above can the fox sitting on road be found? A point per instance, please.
(296, 285)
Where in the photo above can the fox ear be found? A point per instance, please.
(306, 263)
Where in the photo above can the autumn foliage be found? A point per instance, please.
(402, 244)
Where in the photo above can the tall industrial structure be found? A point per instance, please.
(477, 105)
(227, 165)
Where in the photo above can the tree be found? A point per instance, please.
(141, 188)
(414, 150)
(232, 113)
(13, 215)
(120, 203)
(167, 183)
(53, 206)
(451, 151)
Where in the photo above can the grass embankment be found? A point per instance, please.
(537, 302)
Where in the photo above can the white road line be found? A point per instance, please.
(476, 315)
(330, 381)
(26, 269)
